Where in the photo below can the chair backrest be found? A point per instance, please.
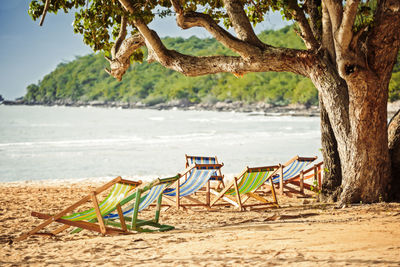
(197, 178)
(154, 189)
(190, 160)
(117, 194)
(293, 167)
(252, 178)
(152, 195)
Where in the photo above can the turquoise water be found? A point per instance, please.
(38, 143)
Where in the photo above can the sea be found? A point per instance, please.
(39, 143)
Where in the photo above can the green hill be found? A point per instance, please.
(84, 79)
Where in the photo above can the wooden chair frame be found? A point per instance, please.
(217, 178)
(137, 224)
(97, 227)
(306, 175)
(282, 182)
(240, 199)
(193, 202)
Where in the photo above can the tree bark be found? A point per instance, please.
(331, 186)
(357, 114)
(394, 150)
(365, 156)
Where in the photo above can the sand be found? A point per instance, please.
(297, 234)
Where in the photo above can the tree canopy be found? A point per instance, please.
(84, 79)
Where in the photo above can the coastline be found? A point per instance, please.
(259, 108)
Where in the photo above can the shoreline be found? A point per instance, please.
(260, 108)
(253, 109)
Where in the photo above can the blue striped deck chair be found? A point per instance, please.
(310, 179)
(289, 171)
(142, 198)
(217, 176)
(244, 186)
(198, 176)
(120, 189)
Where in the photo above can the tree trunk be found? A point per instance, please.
(357, 113)
(394, 150)
(365, 157)
(332, 169)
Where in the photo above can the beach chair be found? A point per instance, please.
(120, 190)
(310, 179)
(142, 197)
(244, 186)
(289, 172)
(217, 176)
(197, 177)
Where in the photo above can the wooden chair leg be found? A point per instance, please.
(301, 182)
(158, 209)
(121, 218)
(98, 213)
(178, 199)
(208, 194)
(136, 209)
(281, 181)
(237, 194)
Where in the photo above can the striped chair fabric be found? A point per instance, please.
(251, 181)
(117, 193)
(145, 201)
(292, 170)
(197, 178)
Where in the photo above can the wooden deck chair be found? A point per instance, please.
(244, 187)
(142, 197)
(120, 190)
(217, 176)
(290, 170)
(310, 179)
(198, 176)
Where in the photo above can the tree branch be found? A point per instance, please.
(268, 59)
(335, 10)
(46, 7)
(120, 38)
(120, 62)
(384, 39)
(345, 32)
(241, 23)
(306, 32)
(327, 34)
(187, 20)
(315, 16)
(271, 59)
(127, 5)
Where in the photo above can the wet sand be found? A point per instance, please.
(296, 234)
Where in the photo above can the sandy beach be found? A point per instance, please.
(300, 233)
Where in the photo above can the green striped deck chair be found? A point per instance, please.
(217, 176)
(244, 187)
(290, 172)
(120, 189)
(142, 198)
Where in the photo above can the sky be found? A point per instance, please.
(28, 52)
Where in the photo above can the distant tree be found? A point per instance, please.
(32, 92)
(351, 48)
